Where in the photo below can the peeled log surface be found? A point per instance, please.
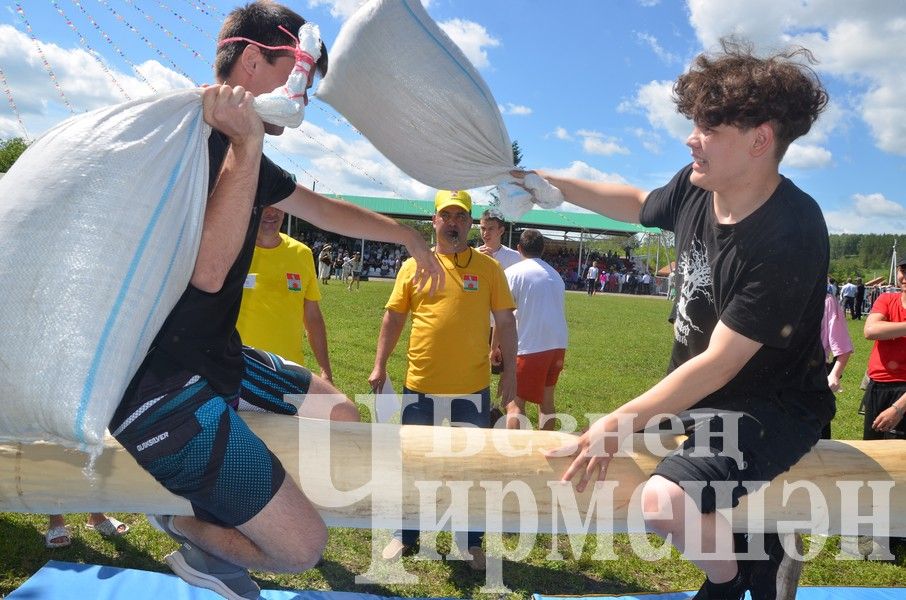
(500, 480)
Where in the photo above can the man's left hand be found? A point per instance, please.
(506, 388)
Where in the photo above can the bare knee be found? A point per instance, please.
(662, 505)
(345, 411)
(289, 532)
(324, 401)
(309, 552)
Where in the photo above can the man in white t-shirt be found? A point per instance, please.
(539, 293)
(591, 278)
(492, 227)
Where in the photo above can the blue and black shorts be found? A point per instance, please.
(190, 438)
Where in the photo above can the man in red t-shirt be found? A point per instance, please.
(885, 397)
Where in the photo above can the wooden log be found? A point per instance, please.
(367, 475)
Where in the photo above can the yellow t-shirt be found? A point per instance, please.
(273, 299)
(448, 346)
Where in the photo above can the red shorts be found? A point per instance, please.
(536, 371)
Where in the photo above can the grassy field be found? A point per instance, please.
(619, 346)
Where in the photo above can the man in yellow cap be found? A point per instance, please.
(449, 354)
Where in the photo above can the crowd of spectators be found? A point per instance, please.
(619, 274)
(379, 259)
(856, 298)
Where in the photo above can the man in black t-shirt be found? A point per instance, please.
(177, 416)
(752, 258)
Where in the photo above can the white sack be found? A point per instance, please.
(100, 221)
(410, 90)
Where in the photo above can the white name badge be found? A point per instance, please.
(250, 281)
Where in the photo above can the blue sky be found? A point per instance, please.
(584, 85)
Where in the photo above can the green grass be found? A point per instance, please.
(619, 346)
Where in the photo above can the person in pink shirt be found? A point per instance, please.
(838, 346)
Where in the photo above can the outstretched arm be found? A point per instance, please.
(614, 200)
(350, 220)
(727, 353)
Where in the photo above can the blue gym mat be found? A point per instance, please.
(59, 580)
(72, 581)
(803, 593)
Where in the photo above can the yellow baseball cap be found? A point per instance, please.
(445, 198)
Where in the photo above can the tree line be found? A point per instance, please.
(865, 255)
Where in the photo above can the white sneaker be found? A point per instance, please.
(394, 549)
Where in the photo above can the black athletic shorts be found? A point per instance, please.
(759, 445)
(879, 396)
(194, 443)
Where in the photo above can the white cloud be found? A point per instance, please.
(595, 142)
(868, 213)
(832, 118)
(86, 83)
(339, 9)
(560, 133)
(885, 112)
(807, 156)
(10, 128)
(876, 205)
(514, 109)
(650, 140)
(349, 166)
(582, 170)
(655, 46)
(860, 41)
(472, 39)
(161, 77)
(343, 9)
(656, 100)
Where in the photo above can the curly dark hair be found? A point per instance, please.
(259, 21)
(740, 89)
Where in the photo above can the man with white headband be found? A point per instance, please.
(177, 417)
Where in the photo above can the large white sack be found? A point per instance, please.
(99, 227)
(100, 221)
(410, 90)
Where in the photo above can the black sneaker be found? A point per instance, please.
(734, 589)
(762, 574)
(196, 567)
